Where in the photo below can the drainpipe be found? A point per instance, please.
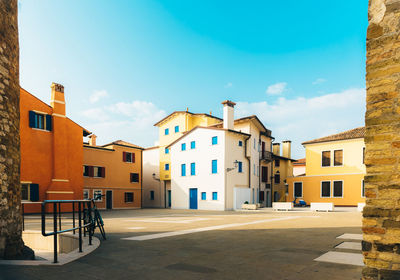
(248, 158)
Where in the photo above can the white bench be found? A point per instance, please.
(249, 206)
(360, 206)
(282, 206)
(322, 206)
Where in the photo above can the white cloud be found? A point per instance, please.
(228, 85)
(97, 95)
(129, 121)
(319, 81)
(276, 89)
(303, 119)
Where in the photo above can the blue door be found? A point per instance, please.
(192, 198)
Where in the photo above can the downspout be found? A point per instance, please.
(248, 158)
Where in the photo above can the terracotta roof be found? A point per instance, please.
(123, 143)
(252, 117)
(151, 148)
(177, 112)
(206, 127)
(355, 133)
(301, 161)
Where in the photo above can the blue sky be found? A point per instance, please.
(298, 65)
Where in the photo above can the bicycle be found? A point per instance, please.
(92, 216)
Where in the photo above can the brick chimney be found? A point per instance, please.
(276, 149)
(228, 114)
(286, 148)
(92, 140)
(57, 99)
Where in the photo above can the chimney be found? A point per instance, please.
(286, 148)
(228, 114)
(92, 140)
(276, 149)
(57, 99)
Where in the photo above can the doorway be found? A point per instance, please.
(192, 198)
(169, 199)
(109, 199)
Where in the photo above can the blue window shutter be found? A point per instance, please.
(34, 192)
(48, 123)
(32, 119)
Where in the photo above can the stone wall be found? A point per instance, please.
(11, 245)
(381, 222)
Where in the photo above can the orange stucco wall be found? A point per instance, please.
(117, 174)
(46, 159)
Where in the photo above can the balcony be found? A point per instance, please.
(266, 156)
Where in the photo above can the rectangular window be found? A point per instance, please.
(214, 166)
(277, 178)
(338, 158)
(326, 189)
(176, 128)
(25, 192)
(254, 169)
(298, 189)
(277, 163)
(134, 177)
(86, 171)
(362, 189)
(128, 157)
(214, 140)
(166, 131)
(183, 169)
(166, 151)
(128, 197)
(337, 188)
(240, 167)
(203, 196)
(40, 121)
(97, 195)
(264, 173)
(193, 145)
(240, 143)
(86, 194)
(97, 171)
(193, 168)
(151, 195)
(363, 155)
(326, 158)
(166, 167)
(183, 147)
(214, 196)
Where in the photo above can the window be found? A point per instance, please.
(363, 155)
(25, 192)
(128, 157)
(203, 196)
(166, 131)
(362, 189)
(97, 195)
(277, 178)
(214, 196)
(214, 166)
(166, 167)
(166, 151)
(86, 194)
(40, 121)
(176, 128)
(338, 158)
(134, 177)
(298, 189)
(240, 167)
(326, 189)
(98, 172)
(337, 188)
(277, 163)
(240, 143)
(214, 140)
(254, 169)
(193, 168)
(264, 174)
(183, 147)
(183, 169)
(326, 158)
(86, 171)
(151, 195)
(128, 197)
(193, 145)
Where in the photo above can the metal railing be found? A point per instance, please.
(266, 155)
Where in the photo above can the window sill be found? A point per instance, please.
(40, 129)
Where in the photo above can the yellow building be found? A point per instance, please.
(171, 128)
(282, 168)
(335, 170)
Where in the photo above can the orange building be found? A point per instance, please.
(115, 171)
(51, 150)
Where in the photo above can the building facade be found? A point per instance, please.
(113, 170)
(51, 150)
(335, 170)
(155, 194)
(299, 167)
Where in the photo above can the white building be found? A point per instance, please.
(222, 166)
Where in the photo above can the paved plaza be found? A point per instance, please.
(184, 244)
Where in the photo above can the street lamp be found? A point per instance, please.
(235, 164)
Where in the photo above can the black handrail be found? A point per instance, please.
(83, 205)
